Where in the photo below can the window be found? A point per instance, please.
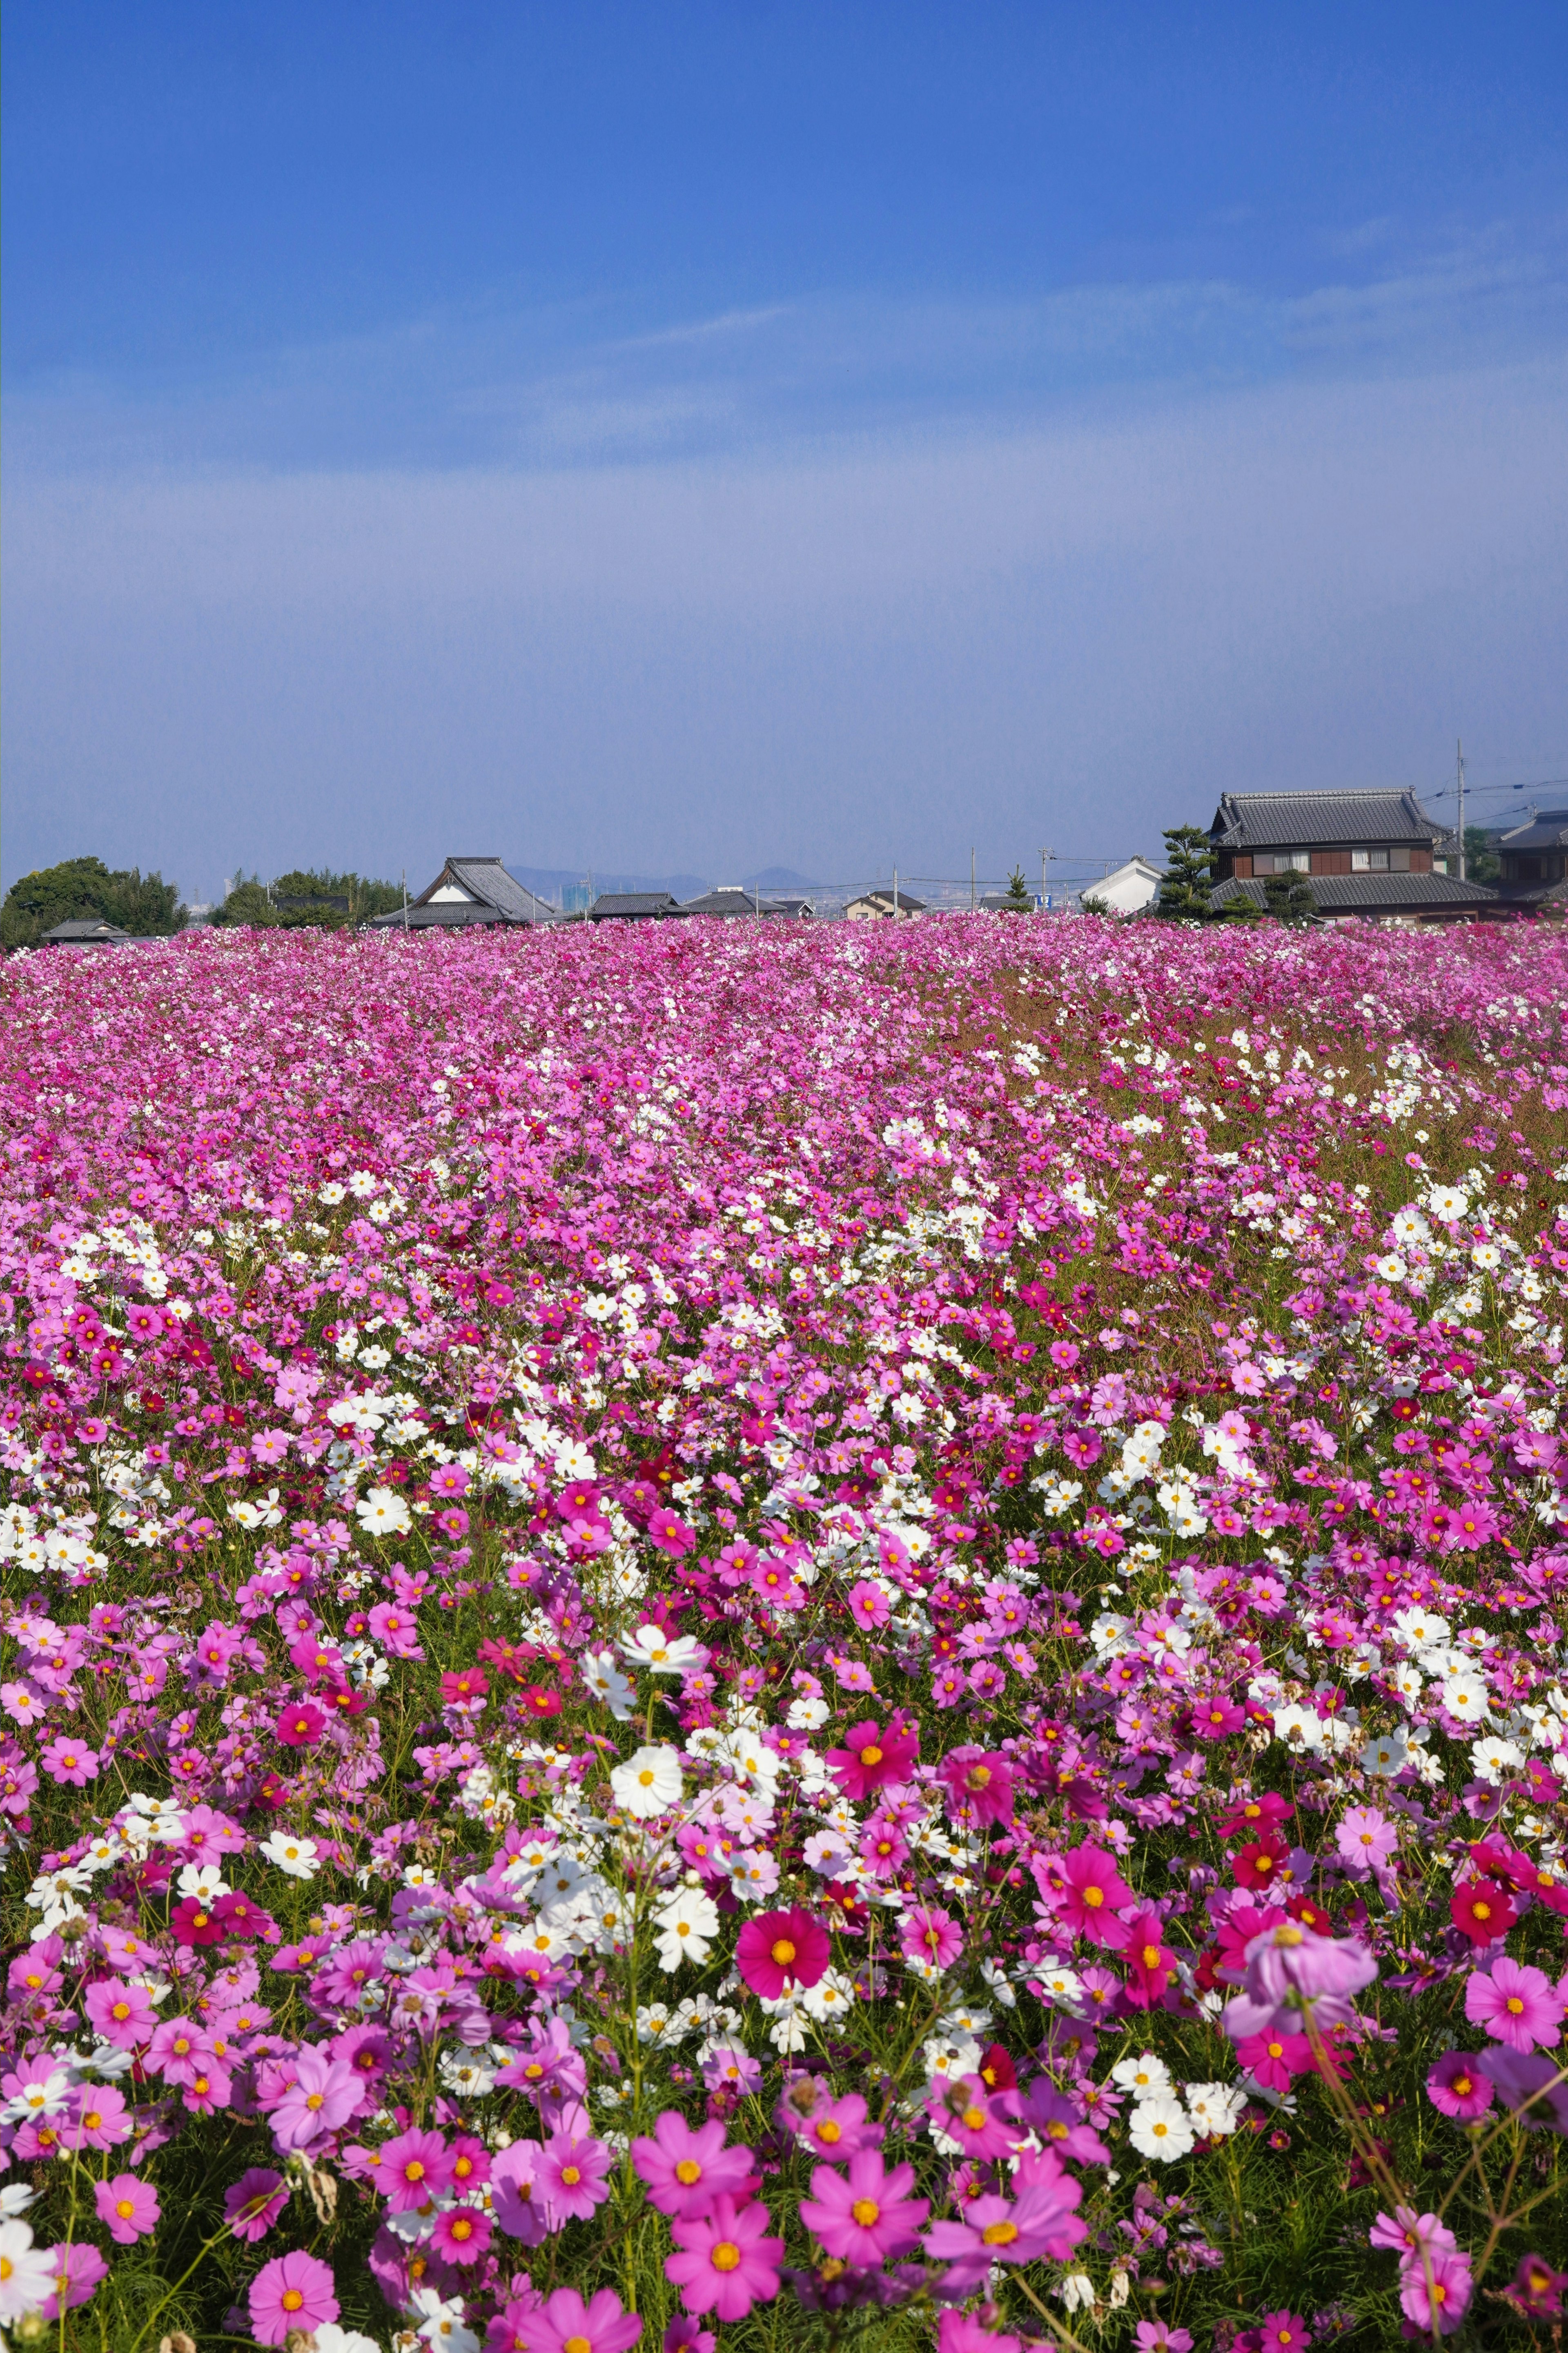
(1369, 861)
(1283, 861)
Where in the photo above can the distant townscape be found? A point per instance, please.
(1292, 857)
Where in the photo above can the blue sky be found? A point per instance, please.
(702, 437)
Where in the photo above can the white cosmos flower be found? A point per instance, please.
(1491, 1759)
(297, 1856)
(205, 1879)
(40, 2094)
(26, 2272)
(1146, 2077)
(1447, 1204)
(1386, 1754)
(1392, 1269)
(648, 1783)
(383, 1512)
(1161, 2127)
(686, 1925)
(661, 1653)
(1215, 2108)
(1465, 1696)
(606, 1680)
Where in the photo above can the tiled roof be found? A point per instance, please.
(884, 898)
(1351, 894)
(731, 900)
(1547, 829)
(1305, 821)
(611, 904)
(79, 930)
(439, 915)
(488, 878)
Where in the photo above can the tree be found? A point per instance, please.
(1019, 901)
(306, 899)
(1092, 903)
(1482, 863)
(84, 887)
(1189, 873)
(1289, 897)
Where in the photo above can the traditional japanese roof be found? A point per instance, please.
(86, 931)
(634, 906)
(1547, 829)
(1320, 820)
(439, 915)
(908, 902)
(486, 883)
(1368, 894)
(729, 900)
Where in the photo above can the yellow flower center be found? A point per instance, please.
(781, 1951)
(864, 2212)
(570, 2175)
(1094, 1897)
(973, 2118)
(687, 2171)
(872, 1755)
(726, 2255)
(999, 2235)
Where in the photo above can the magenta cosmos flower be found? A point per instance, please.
(928, 1933)
(868, 2216)
(121, 2013)
(292, 2293)
(727, 2260)
(1515, 2004)
(684, 2170)
(414, 2167)
(1090, 1892)
(253, 2203)
(871, 1758)
(968, 2114)
(780, 1949)
(1458, 2086)
(979, 1785)
(1284, 2332)
(567, 2325)
(462, 2234)
(325, 2094)
(127, 2208)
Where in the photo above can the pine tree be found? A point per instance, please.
(1017, 901)
(1289, 897)
(1189, 870)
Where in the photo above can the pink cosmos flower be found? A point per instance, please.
(869, 1606)
(834, 2128)
(1091, 1891)
(870, 1757)
(571, 2176)
(462, 2234)
(780, 1949)
(726, 2261)
(127, 2206)
(979, 2121)
(1151, 1963)
(961, 2332)
(123, 2014)
(1040, 2223)
(683, 2169)
(1289, 1968)
(670, 1533)
(978, 1784)
(415, 2167)
(253, 2203)
(325, 2092)
(1458, 2086)
(1409, 2235)
(1273, 2058)
(78, 2271)
(1283, 2332)
(868, 2216)
(567, 2325)
(1366, 1840)
(927, 1933)
(292, 2294)
(518, 2205)
(1515, 2004)
(98, 2118)
(70, 1762)
(301, 1725)
(1435, 2294)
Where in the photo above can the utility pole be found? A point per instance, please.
(972, 881)
(1045, 861)
(895, 894)
(1461, 760)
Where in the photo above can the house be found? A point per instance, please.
(86, 932)
(1130, 888)
(730, 901)
(467, 891)
(1535, 859)
(883, 906)
(1368, 853)
(636, 907)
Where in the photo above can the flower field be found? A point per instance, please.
(728, 1636)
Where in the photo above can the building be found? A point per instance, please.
(1534, 859)
(1375, 853)
(85, 932)
(468, 891)
(883, 906)
(730, 901)
(1129, 889)
(636, 907)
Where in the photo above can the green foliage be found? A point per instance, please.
(307, 899)
(1019, 901)
(1289, 897)
(1482, 863)
(1189, 873)
(143, 904)
(1092, 903)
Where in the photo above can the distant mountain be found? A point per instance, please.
(780, 878)
(552, 882)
